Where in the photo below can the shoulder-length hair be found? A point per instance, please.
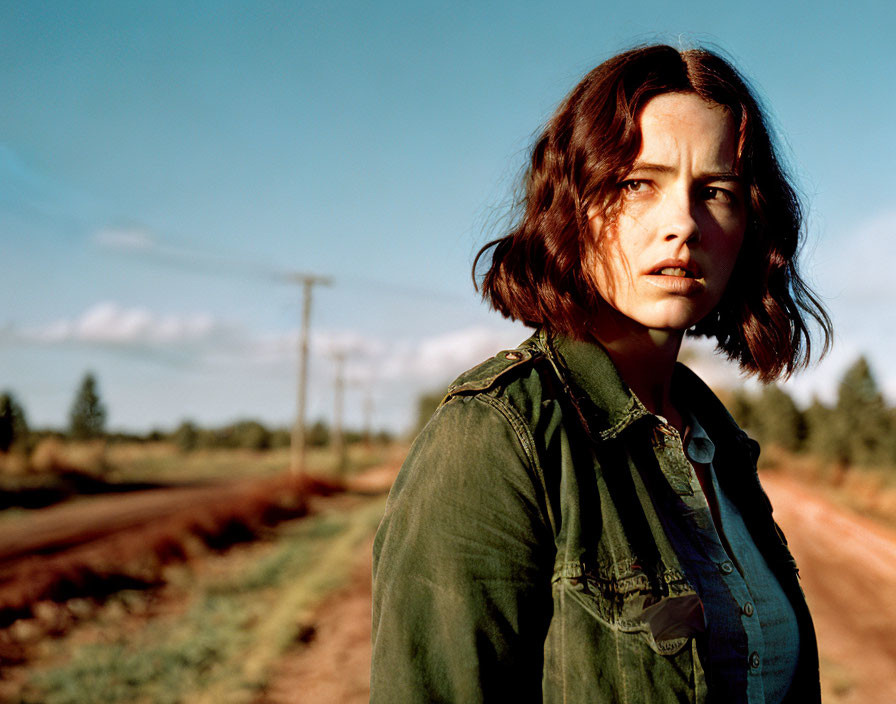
(538, 271)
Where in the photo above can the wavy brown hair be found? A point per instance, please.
(537, 272)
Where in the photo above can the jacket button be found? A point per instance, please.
(754, 659)
(513, 356)
(748, 609)
(726, 567)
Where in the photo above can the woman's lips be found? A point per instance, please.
(683, 285)
(677, 267)
(675, 271)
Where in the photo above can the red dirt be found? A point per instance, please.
(335, 665)
(848, 568)
(847, 562)
(98, 546)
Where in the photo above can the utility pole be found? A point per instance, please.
(297, 440)
(339, 393)
(368, 416)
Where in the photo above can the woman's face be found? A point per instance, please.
(668, 252)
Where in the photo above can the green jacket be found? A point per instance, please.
(522, 557)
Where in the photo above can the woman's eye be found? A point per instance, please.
(632, 186)
(718, 194)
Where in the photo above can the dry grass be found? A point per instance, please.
(136, 557)
(164, 462)
(868, 490)
(220, 629)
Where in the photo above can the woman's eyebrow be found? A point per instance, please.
(722, 176)
(641, 166)
(653, 168)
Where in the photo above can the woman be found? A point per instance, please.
(582, 520)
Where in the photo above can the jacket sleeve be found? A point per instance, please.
(462, 564)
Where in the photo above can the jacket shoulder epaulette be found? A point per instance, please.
(487, 374)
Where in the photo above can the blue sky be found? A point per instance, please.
(163, 165)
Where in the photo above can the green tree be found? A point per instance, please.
(318, 435)
(252, 435)
(889, 444)
(87, 417)
(861, 417)
(280, 437)
(186, 436)
(777, 420)
(823, 437)
(741, 408)
(13, 426)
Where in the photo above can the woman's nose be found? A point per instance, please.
(679, 220)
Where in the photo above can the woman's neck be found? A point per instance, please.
(645, 359)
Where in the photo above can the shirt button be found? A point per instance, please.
(726, 567)
(754, 660)
(748, 609)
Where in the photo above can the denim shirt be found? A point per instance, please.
(524, 555)
(740, 594)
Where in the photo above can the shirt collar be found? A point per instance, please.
(612, 406)
(700, 448)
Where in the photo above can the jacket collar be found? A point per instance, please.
(588, 371)
(612, 406)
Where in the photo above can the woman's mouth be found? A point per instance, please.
(672, 271)
(677, 269)
(678, 277)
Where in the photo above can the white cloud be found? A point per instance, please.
(434, 359)
(699, 354)
(426, 361)
(853, 274)
(855, 268)
(131, 239)
(109, 323)
(348, 342)
(444, 356)
(170, 252)
(394, 371)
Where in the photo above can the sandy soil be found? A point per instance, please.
(847, 562)
(848, 569)
(335, 665)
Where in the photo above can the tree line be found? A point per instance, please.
(88, 415)
(87, 418)
(858, 428)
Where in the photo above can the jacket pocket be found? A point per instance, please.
(668, 623)
(665, 611)
(634, 638)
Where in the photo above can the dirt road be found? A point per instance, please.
(847, 563)
(848, 568)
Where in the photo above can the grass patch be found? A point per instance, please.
(163, 462)
(124, 671)
(236, 627)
